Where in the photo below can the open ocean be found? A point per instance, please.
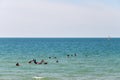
(96, 58)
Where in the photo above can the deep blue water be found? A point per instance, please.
(97, 58)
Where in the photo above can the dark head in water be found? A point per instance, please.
(55, 57)
(49, 57)
(68, 55)
(17, 64)
(45, 63)
(57, 61)
(75, 54)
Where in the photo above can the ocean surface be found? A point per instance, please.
(96, 58)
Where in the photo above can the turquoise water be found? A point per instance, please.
(97, 58)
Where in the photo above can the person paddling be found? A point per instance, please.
(34, 60)
(31, 61)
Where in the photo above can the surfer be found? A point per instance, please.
(17, 64)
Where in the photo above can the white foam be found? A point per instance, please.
(36, 77)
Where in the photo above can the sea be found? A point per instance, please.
(67, 58)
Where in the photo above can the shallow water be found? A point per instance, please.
(97, 58)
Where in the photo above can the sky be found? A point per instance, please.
(59, 18)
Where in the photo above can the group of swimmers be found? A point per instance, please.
(44, 62)
(68, 55)
(41, 62)
(34, 61)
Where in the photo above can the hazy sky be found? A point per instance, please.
(59, 18)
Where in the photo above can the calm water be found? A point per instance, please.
(97, 58)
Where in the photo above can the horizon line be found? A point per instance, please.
(58, 37)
